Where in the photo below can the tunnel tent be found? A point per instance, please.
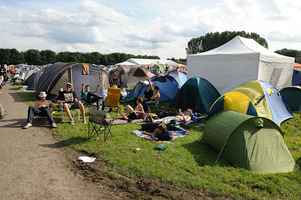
(197, 93)
(253, 143)
(292, 96)
(57, 75)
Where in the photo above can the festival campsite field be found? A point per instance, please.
(185, 170)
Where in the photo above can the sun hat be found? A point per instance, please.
(68, 83)
(42, 94)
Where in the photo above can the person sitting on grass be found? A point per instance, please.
(181, 117)
(160, 133)
(89, 96)
(41, 108)
(131, 113)
(69, 100)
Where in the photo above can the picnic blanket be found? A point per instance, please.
(174, 134)
(123, 121)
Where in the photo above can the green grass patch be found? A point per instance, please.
(187, 162)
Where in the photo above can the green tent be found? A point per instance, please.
(292, 96)
(253, 143)
(197, 93)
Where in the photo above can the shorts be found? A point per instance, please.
(133, 115)
(73, 105)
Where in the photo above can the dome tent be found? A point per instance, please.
(235, 101)
(267, 100)
(252, 143)
(292, 96)
(168, 86)
(57, 75)
(197, 93)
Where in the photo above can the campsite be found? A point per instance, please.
(141, 100)
(202, 162)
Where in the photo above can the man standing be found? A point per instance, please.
(41, 108)
(69, 100)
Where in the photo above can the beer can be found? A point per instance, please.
(137, 149)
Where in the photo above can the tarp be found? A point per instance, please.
(252, 143)
(238, 61)
(58, 74)
(292, 96)
(235, 101)
(267, 100)
(197, 93)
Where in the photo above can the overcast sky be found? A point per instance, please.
(129, 26)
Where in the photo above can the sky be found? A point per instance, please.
(142, 27)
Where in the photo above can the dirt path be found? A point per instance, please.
(31, 167)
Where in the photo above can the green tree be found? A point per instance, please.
(47, 56)
(213, 40)
(32, 57)
(292, 53)
(5, 56)
(16, 57)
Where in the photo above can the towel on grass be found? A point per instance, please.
(123, 121)
(174, 134)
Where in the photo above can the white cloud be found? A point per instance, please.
(131, 26)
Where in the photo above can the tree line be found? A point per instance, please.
(36, 57)
(216, 39)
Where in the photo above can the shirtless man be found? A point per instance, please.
(181, 116)
(41, 108)
(131, 113)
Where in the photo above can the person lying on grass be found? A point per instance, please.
(131, 113)
(183, 117)
(160, 133)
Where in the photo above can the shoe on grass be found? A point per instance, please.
(53, 125)
(72, 122)
(84, 121)
(27, 125)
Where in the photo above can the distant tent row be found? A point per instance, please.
(57, 75)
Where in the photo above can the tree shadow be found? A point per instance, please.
(65, 143)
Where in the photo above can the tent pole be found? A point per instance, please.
(220, 153)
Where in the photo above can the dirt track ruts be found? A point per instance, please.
(31, 165)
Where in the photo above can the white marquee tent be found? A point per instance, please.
(238, 61)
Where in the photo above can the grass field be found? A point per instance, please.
(186, 163)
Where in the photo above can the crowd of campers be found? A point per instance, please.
(242, 89)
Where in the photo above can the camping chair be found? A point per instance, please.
(112, 99)
(148, 105)
(98, 125)
(73, 112)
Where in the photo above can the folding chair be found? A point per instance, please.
(113, 97)
(98, 125)
(149, 104)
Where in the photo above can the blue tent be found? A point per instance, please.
(168, 85)
(180, 77)
(296, 77)
(267, 100)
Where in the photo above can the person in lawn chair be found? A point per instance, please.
(88, 95)
(131, 113)
(41, 108)
(69, 100)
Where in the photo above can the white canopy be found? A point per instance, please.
(126, 63)
(238, 61)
